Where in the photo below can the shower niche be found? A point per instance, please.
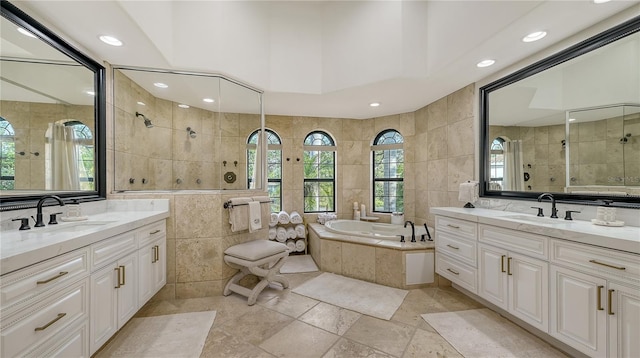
(182, 130)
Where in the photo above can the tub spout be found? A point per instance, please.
(413, 230)
(428, 234)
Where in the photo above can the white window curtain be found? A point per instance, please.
(257, 167)
(61, 161)
(513, 166)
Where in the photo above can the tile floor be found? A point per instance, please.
(285, 324)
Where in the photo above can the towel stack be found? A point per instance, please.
(301, 231)
(296, 218)
(283, 218)
(281, 234)
(300, 245)
(291, 233)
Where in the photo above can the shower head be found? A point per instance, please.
(147, 121)
(191, 132)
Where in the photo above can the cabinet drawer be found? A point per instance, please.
(151, 232)
(37, 323)
(108, 251)
(603, 262)
(18, 287)
(517, 241)
(461, 249)
(462, 228)
(73, 341)
(457, 272)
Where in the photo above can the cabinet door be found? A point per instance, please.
(104, 305)
(529, 290)
(624, 321)
(492, 265)
(128, 290)
(146, 260)
(578, 315)
(160, 266)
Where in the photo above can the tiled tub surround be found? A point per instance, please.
(570, 282)
(24, 248)
(384, 262)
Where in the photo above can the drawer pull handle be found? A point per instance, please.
(453, 272)
(53, 278)
(453, 247)
(600, 308)
(154, 232)
(509, 267)
(60, 315)
(611, 302)
(118, 279)
(621, 268)
(453, 226)
(502, 263)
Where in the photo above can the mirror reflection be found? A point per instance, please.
(570, 129)
(47, 117)
(178, 131)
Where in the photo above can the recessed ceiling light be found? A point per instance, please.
(208, 100)
(534, 36)
(374, 104)
(600, 1)
(161, 85)
(183, 106)
(571, 119)
(110, 40)
(485, 63)
(90, 92)
(141, 103)
(26, 33)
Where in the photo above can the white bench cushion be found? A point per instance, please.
(255, 250)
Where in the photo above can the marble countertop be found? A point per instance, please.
(626, 238)
(19, 249)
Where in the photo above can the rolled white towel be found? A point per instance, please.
(300, 245)
(281, 234)
(300, 231)
(295, 218)
(291, 245)
(272, 233)
(291, 233)
(273, 219)
(283, 217)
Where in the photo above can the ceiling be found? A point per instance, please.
(324, 58)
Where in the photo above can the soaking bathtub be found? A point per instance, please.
(373, 252)
(376, 230)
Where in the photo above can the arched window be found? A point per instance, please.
(7, 155)
(85, 154)
(388, 172)
(274, 165)
(496, 169)
(319, 172)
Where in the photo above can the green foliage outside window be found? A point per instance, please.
(274, 166)
(319, 174)
(388, 172)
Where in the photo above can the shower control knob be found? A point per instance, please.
(131, 180)
(198, 181)
(144, 181)
(179, 181)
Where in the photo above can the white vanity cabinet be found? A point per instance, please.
(43, 305)
(456, 242)
(595, 299)
(512, 280)
(152, 260)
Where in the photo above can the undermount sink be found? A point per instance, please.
(80, 226)
(534, 219)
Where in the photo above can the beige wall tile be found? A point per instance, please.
(390, 270)
(437, 114)
(359, 261)
(331, 259)
(460, 104)
(461, 138)
(198, 260)
(437, 146)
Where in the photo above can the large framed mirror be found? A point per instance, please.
(52, 116)
(569, 124)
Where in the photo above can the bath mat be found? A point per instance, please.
(484, 333)
(299, 263)
(176, 335)
(356, 295)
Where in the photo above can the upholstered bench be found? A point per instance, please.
(262, 258)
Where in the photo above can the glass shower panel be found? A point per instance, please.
(630, 141)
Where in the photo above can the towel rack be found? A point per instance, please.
(229, 205)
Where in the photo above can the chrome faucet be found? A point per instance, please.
(413, 230)
(38, 218)
(554, 211)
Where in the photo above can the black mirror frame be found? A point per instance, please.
(20, 18)
(627, 28)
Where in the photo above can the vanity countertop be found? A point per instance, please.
(625, 238)
(19, 249)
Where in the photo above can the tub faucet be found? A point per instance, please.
(39, 222)
(554, 211)
(413, 230)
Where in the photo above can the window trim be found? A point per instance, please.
(252, 146)
(320, 148)
(380, 148)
